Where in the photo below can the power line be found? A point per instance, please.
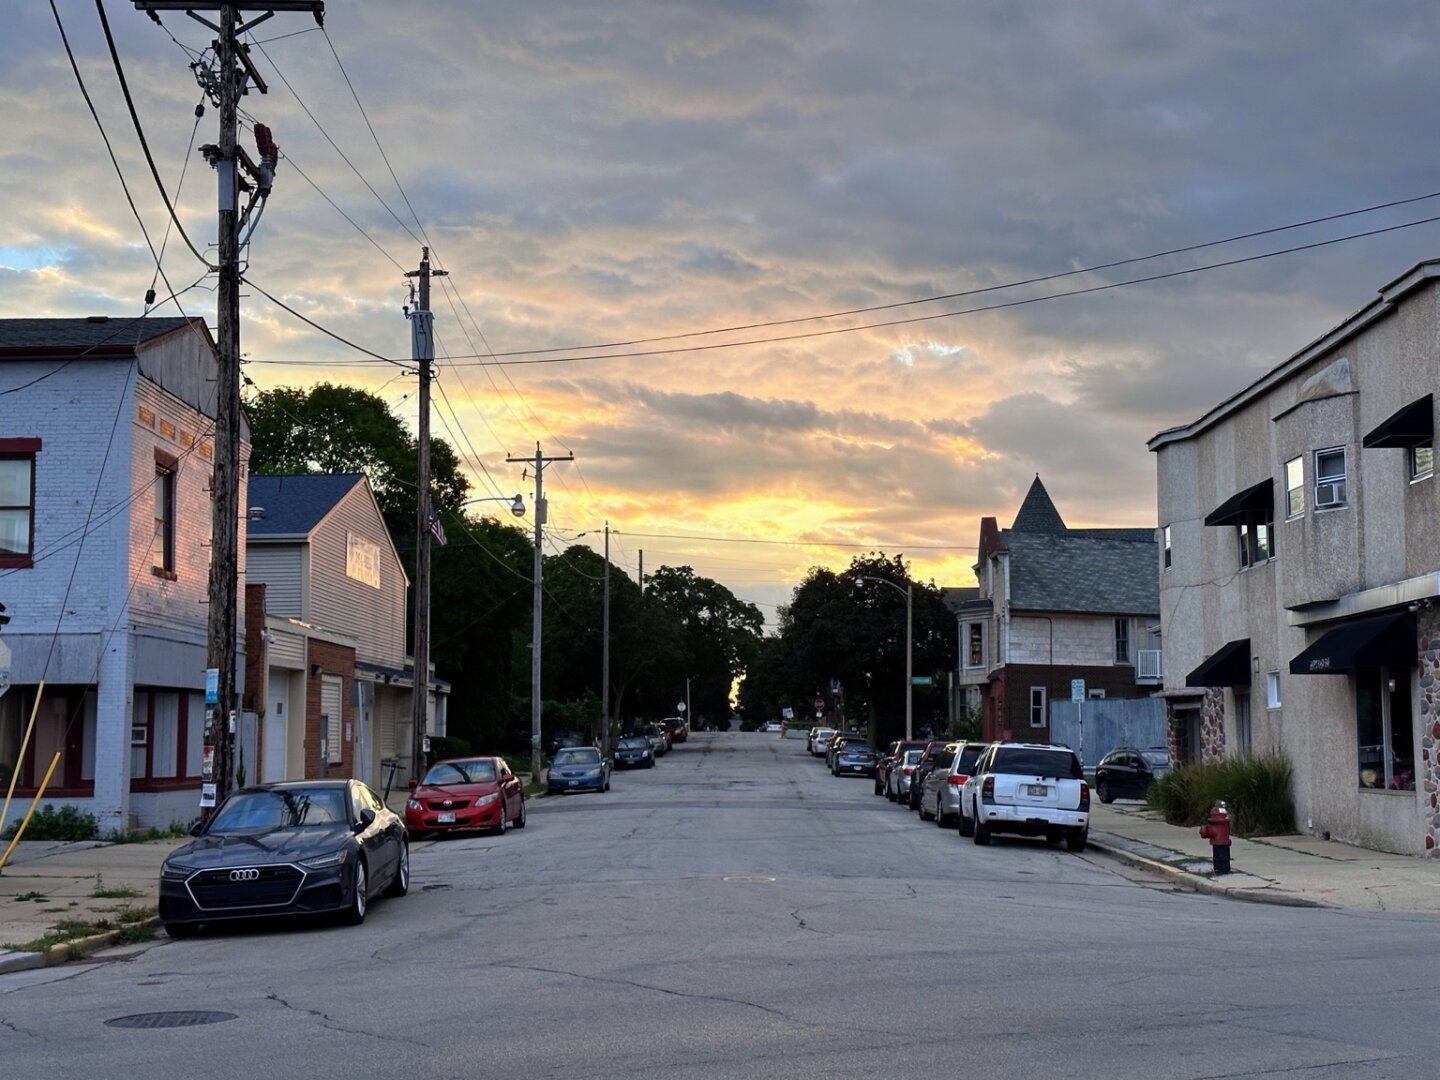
(315, 325)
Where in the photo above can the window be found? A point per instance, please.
(1037, 706)
(17, 500)
(1383, 726)
(1255, 542)
(1272, 690)
(1294, 487)
(1330, 478)
(165, 734)
(162, 541)
(1165, 548)
(976, 654)
(1122, 641)
(1422, 461)
(1242, 721)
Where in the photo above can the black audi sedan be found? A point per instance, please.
(297, 848)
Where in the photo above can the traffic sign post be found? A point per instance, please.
(1077, 695)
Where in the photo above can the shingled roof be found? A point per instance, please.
(294, 504)
(97, 333)
(1037, 513)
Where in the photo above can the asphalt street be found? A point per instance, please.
(738, 912)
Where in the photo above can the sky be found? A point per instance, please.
(597, 173)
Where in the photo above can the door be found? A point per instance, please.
(277, 708)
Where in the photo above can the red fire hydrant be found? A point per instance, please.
(1217, 830)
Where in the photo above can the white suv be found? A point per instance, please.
(1037, 789)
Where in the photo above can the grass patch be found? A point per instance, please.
(127, 922)
(174, 831)
(1256, 790)
(37, 897)
(113, 892)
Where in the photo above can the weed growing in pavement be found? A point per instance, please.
(174, 831)
(113, 892)
(1256, 791)
(128, 923)
(56, 823)
(37, 897)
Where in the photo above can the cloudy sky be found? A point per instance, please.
(592, 173)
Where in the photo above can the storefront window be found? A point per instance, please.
(1384, 729)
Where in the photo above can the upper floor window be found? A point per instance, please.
(1166, 558)
(1256, 543)
(1122, 641)
(1295, 487)
(1037, 706)
(17, 500)
(975, 655)
(162, 541)
(1330, 478)
(1422, 461)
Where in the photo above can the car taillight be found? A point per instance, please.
(987, 789)
(1084, 795)
(909, 770)
(957, 780)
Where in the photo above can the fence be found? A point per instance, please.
(1107, 723)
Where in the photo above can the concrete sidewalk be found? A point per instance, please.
(1298, 871)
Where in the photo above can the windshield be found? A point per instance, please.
(1024, 761)
(825, 733)
(912, 756)
(633, 742)
(1156, 759)
(461, 772)
(285, 808)
(583, 756)
(943, 760)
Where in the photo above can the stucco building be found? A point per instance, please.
(1300, 572)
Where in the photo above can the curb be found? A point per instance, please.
(66, 951)
(1208, 886)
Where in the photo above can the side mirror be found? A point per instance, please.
(414, 783)
(197, 829)
(367, 818)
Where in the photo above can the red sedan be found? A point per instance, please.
(466, 793)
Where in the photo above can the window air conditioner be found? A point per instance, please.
(1330, 494)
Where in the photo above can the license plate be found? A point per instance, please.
(573, 783)
(1037, 789)
(445, 819)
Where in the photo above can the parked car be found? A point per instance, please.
(675, 725)
(819, 739)
(943, 784)
(1036, 789)
(933, 749)
(301, 847)
(854, 759)
(839, 739)
(466, 793)
(772, 727)
(634, 752)
(890, 758)
(897, 784)
(658, 741)
(578, 768)
(1127, 773)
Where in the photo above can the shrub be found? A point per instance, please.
(56, 823)
(1256, 790)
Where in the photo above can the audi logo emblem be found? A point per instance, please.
(244, 875)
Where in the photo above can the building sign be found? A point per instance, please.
(362, 560)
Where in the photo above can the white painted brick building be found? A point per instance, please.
(105, 468)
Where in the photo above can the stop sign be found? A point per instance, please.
(819, 704)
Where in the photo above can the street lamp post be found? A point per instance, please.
(909, 643)
(517, 502)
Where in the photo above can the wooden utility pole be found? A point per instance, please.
(605, 655)
(232, 77)
(422, 349)
(539, 461)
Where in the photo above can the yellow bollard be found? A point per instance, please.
(39, 794)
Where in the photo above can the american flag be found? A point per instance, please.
(437, 528)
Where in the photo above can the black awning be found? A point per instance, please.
(1229, 665)
(1414, 425)
(1379, 641)
(1251, 505)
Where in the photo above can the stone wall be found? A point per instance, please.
(1212, 725)
(1428, 633)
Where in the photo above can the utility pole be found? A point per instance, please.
(226, 82)
(642, 572)
(605, 655)
(422, 349)
(539, 461)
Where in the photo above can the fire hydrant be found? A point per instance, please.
(1217, 830)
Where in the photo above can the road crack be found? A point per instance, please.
(648, 986)
(331, 1023)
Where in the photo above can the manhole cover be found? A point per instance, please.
(749, 879)
(189, 1018)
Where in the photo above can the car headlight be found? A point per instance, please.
(413, 804)
(321, 862)
(595, 771)
(175, 871)
(486, 800)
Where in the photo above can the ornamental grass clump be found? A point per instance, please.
(1255, 789)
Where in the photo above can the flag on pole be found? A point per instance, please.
(437, 528)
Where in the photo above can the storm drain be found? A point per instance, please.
(190, 1018)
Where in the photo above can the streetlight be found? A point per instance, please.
(517, 502)
(909, 640)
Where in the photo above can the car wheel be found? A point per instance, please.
(504, 825)
(520, 821)
(1075, 839)
(400, 885)
(967, 827)
(889, 793)
(878, 789)
(359, 894)
(981, 831)
(178, 930)
(1102, 789)
(1054, 836)
(924, 816)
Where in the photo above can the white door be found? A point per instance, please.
(277, 715)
